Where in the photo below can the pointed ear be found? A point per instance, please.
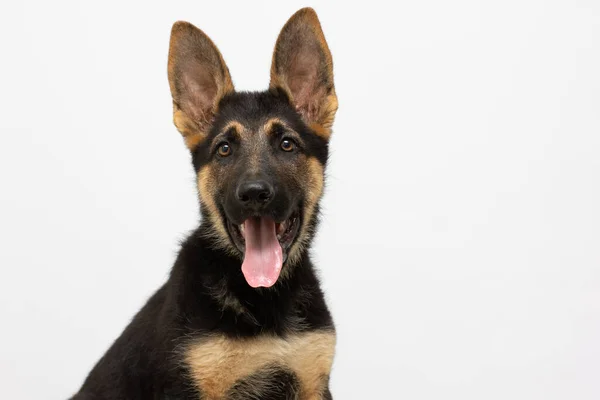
(303, 68)
(198, 78)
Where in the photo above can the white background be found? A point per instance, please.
(460, 243)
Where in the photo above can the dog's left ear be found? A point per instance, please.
(302, 66)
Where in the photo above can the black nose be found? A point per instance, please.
(254, 193)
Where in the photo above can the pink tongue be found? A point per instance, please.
(263, 258)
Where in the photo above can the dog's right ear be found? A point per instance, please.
(198, 78)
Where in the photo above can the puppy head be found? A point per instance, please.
(260, 156)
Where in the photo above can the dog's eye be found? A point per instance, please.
(287, 145)
(224, 149)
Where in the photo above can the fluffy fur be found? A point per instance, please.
(206, 334)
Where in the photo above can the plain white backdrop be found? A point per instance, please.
(460, 243)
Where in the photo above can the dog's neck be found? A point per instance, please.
(212, 293)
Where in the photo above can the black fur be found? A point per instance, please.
(148, 360)
(145, 361)
(271, 383)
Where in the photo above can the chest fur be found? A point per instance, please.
(217, 363)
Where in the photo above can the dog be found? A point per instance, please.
(242, 315)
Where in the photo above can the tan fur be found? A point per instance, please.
(239, 128)
(206, 185)
(189, 129)
(217, 362)
(330, 106)
(267, 127)
(313, 177)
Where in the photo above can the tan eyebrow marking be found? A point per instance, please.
(239, 128)
(239, 131)
(268, 126)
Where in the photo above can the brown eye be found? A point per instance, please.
(224, 150)
(287, 145)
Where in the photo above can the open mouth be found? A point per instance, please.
(265, 244)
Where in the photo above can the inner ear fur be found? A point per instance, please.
(302, 66)
(198, 78)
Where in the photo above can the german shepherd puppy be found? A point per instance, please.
(241, 315)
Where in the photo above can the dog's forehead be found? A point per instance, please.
(255, 112)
